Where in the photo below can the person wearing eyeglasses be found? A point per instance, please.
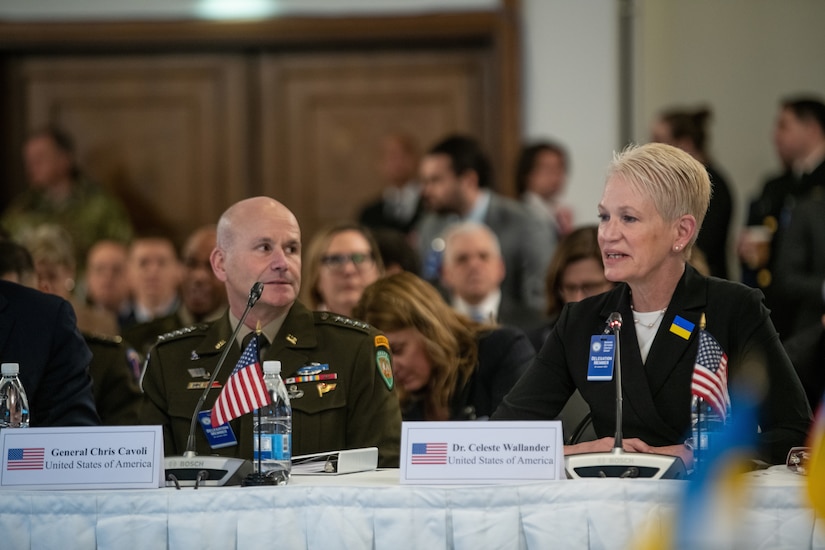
(342, 260)
(576, 272)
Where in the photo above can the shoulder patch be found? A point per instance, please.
(327, 318)
(383, 360)
(181, 332)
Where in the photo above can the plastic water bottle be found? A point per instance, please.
(272, 430)
(707, 426)
(14, 405)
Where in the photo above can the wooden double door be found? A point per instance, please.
(180, 136)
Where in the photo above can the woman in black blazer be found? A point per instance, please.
(651, 210)
(446, 366)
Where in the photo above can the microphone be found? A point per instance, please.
(192, 470)
(618, 463)
(614, 322)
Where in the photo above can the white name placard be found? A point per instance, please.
(88, 457)
(451, 453)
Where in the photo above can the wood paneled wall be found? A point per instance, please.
(182, 127)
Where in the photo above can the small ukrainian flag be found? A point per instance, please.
(682, 327)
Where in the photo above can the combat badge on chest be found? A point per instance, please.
(311, 372)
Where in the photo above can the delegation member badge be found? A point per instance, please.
(383, 360)
(601, 355)
(219, 437)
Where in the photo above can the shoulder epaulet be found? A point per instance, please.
(185, 331)
(328, 318)
(98, 338)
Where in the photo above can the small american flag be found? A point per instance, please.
(25, 459)
(710, 374)
(244, 390)
(429, 453)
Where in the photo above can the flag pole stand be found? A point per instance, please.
(257, 478)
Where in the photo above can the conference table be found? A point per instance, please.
(371, 510)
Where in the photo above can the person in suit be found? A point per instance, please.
(541, 178)
(342, 260)
(807, 352)
(202, 295)
(799, 138)
(456, 179)
(39, 331)
(353, 406)
(399, 206)
(651, 209)
(107, 284)
(687, 130)
(472, 274)
(448, 366)
(113, 364)
(800, 266)
(154, 270)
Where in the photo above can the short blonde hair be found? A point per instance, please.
(677, 183)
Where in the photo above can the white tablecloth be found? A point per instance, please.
(371, 510)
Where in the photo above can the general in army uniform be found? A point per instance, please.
(342, 395)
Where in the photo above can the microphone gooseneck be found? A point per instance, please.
(614, 322)
(254, 295)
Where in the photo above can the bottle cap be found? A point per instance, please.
(272, 367)
(10, 368)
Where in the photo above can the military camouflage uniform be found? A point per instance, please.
(90, 214)
(357, 409)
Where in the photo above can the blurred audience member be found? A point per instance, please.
(40, 333)
(447, 366)
(399, 207)
(806, 349)
(16, 264)
(112, 363)
(342, 260)
(154, 278)
(107, 283)
(54, 264)
(203, 296)
(59, 193)
(396, 251)
(457, 183)
(576, 272)
(799, 138)
(472, 274)
(541, 177)
(687, 130)
(800, 267)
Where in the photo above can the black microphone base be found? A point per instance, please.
(256, 479)
(205, 471)
(627, 465)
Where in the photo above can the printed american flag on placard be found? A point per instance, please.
(710, 374)
(25, 459)
(429, 453)
(244, 390)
